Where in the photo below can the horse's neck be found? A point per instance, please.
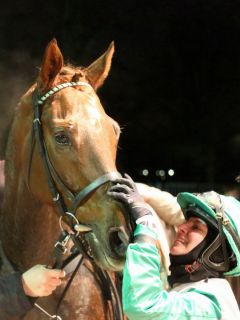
(28, 227)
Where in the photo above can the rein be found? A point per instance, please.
(69, 214)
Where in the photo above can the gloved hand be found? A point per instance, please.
(40, 281)
(125, 191)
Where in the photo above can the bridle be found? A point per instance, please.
(52, 176)
(54, 180)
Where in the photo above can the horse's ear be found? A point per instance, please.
(51, 65)
(98, 71)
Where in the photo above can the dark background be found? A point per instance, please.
(174, 86)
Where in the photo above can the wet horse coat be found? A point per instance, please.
(81, 142)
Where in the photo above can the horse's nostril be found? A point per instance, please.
(118, 240)
(123, 236)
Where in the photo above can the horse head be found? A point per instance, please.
(78, 145)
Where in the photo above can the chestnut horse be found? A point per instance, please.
(60, 158)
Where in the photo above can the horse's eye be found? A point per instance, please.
(62, 138)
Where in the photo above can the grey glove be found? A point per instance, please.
(125, 191)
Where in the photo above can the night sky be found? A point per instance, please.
(174, 86)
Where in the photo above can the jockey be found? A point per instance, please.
(206, 249)
(18, 291)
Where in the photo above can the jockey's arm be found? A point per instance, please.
(163, 203)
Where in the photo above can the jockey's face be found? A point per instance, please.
(189, 235)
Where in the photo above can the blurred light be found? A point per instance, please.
(171, 172)
(162, 173)
(145, 172)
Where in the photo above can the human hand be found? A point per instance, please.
(125, 191)
(40, 281)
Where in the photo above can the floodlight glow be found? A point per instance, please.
(145, 172)
(171, 172)
(162, 173)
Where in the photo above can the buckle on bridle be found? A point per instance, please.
(61, 244)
